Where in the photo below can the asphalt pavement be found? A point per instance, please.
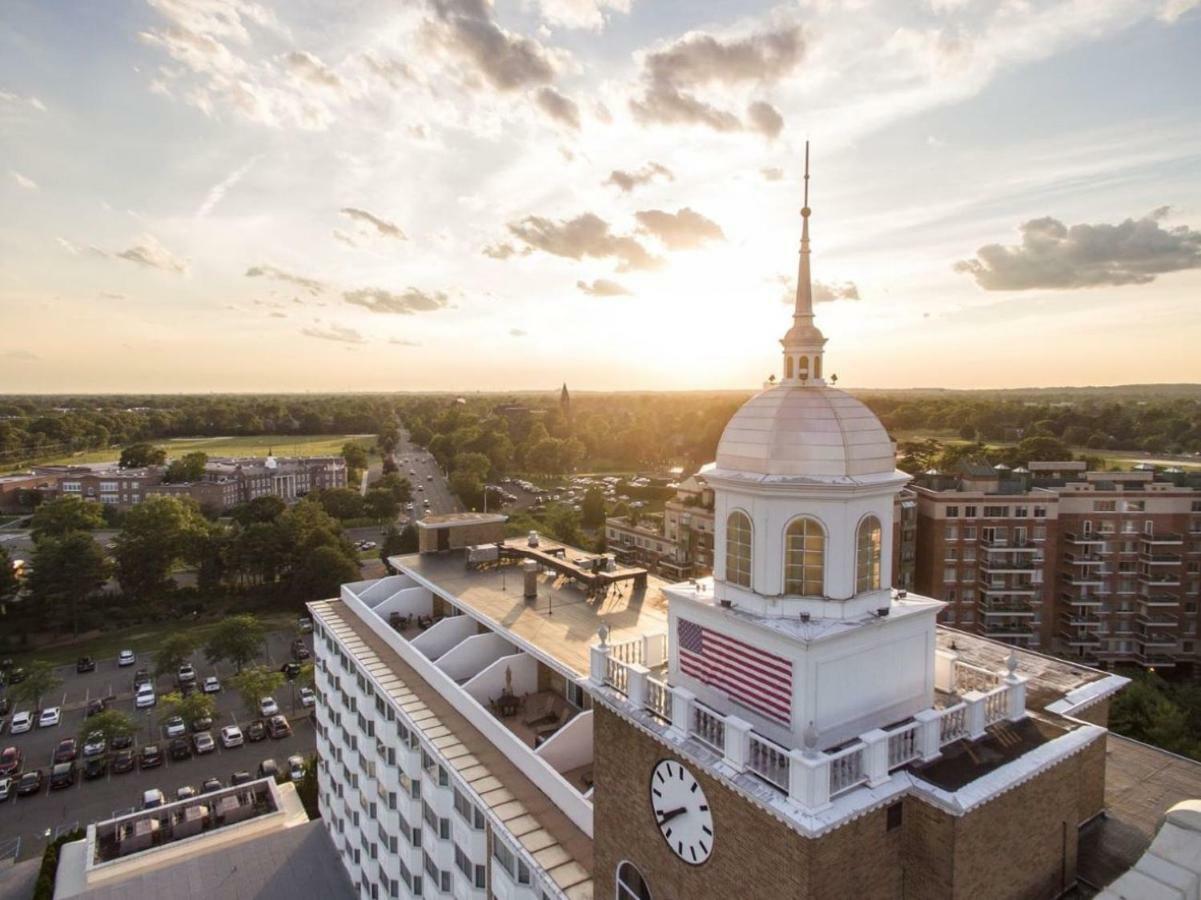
(29, 818)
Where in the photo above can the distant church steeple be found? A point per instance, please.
(804, 341)
(565, 402)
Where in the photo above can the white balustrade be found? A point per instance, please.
(658, 699)
(617, 675)
(709, 727)
(769, 761)
(953, 725)
(846, 769)
(974, 678)
(629, 651)
(996, 705)
(903, 745)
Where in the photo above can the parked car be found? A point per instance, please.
(186, 792)
(240, 778)
(187, 674)
(10, 761)
(123, 761)
(96, 767)
(85, 664)
(121, 742)
(152, 799)
(66, 751)
(290, 670)
(212, 684)
(231, 736)
(268, 706)
(268, 768)
(21, 722)
(30, 783)
(141, 677)
(94, 745)
(145, 697)
(203, 742)
(150, 757)
(96, 706)
(256, 731)
(15, 675)
(180, 749)
(62, 775)
(174, 727)
(211, 784)
(305, 624)
(6, 789)
(50, 717)
(308, 699)
(300, 651)
(278, 727)
(296, 768)
(204, 723)
(126, 658)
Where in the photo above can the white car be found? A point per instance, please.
(307, 698)
(145, 698)
(268, 707)
(6, 788)
(95, 745)
(174, 727)
(152, 799)
(231, 736)
(126, 658)
(203, 742)
(50, 717)
(21, 723)
(212, 684)
(296, 768)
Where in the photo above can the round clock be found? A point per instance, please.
(682, 812)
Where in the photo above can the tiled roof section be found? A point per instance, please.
(507, 793)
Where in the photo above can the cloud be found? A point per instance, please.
(671, 75)
(765, 118)
(823, 291)
(109, 295)
(501, 250)
(401, 342)
(1053, 255)
(344, 237)
(683, 230)
(588, 14)
(21, 355)
(585, 235)
(516, 332)
(218, 191)
(507, 61)
(772, 173)
(312, 285)
(333, 332)
(28, 183)
(308, 67)
(383, 226)
(150, 253)
(412, 300)
(17, 100)
(602, 287)
(561, 109)
(391, 71)
(627, 181)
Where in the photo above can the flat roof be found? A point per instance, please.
(562, 622)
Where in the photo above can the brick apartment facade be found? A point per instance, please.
(1101, 567)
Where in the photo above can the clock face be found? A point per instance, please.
(682, 812)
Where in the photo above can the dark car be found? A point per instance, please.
(62, 776)
(278, 727)
(211, 784)
(96, 767)
(290, 670)
(180, 748)
(256, 730)
(142, 676)
(151, 757)
(5, 706)
(121, 742)
(16, 676)
(10, 761)
(66, 751)
(240, 778)
(268, 768)
(204, 723)
(123, 761)
(299, 650)
(96, 706)
(85, 664)
(30, 783)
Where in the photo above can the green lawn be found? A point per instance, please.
(258, 445)
(1121, 459)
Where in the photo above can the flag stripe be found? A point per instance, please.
(759, 680)
(782, 692)
(768, 706)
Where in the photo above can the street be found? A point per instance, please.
(28, 818)
(422, 470)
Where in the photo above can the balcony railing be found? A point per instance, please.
(1005, 546)
(1164, 538)
(1159, 580)
(1150, 620)
(1074, 537)
(1160, 559)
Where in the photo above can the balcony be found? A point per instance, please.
(1155, 661)
(1009, 567)
(1152, 581)
(1160, 559)
(1015, 590)
(1080, 638)
(1151, 620)
(1166, 539)
(1150, 641)
(1089, 579)
(1158, 601)
(1005, 609)
(1008, 630)
(1083, 540)
(1077, 620)
(1009, 546)
(1085, 601)
(1084, 559)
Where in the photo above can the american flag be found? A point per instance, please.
(758, 680)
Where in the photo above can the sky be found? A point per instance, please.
(224, 195)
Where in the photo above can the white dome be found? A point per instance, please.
(811, 432)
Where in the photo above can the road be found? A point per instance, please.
(428, 481)
(87, 801)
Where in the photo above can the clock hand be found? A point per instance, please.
(666, 817)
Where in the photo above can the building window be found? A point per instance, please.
(630, 883)
(867, 560)
(738, 549)
(804, 558)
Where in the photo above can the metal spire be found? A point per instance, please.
(804, 286)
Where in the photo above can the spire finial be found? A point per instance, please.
(805, 208)
(804, 341)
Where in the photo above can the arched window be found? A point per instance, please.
(630, 883)
(804, 558)
(867, 556)
(788, 367)
(817, 367)
(803, 367)
(738, 549)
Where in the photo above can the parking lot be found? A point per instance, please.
(87, 801)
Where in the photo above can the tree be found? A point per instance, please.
(254, 684)
(40, 680)
(322, 572)
(260, 509)
(9, 583)
(592, 510)
(468, 488)
(381, 505)
(1042, 449)
(188, 468)
(158, 531)
(399, 487)
(56, 517)
(67, 570)
(238, 639)
(173, 651)
(112, 723)
(341, 503)
(355, 455)
(967, 432)
(190, 708)
(141, 455)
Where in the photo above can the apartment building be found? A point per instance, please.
(1102, 567)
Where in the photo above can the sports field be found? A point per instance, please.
(254, 445)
